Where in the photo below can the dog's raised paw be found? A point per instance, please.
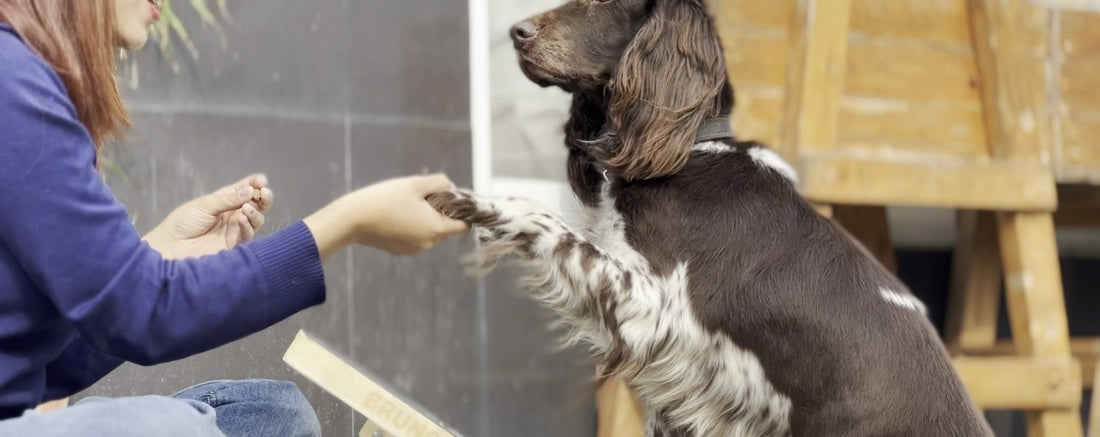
(464, 206)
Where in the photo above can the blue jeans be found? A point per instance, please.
(252, 407)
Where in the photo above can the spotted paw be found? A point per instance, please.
(465, 206)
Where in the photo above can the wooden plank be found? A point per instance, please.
(1079, 162)
(757, 114)
(906, 71)
(365, 394)
(1036, 307)
(1021, 383)
(1094, 411)
(824, 209)
(1011, 46)
(940, 22)
(756, 58)
(1080, 80)
(816, 76)
(937, 129)
(1085, 350)
(1088, 369)
(1080, 5)
(1079, 39)
(618, 413)
(1033, 284)
(752, 13)
(871, 180)
(371, 429)
(876, 125)
(975, 284)
(869, 226)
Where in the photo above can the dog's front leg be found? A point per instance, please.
(568, 274)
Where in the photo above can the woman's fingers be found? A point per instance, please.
(247, 232)
(263, 199)
(256, 219)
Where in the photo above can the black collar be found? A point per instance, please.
(714, 129)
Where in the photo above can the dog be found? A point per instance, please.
(703, 279)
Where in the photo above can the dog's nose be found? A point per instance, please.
(524, 32)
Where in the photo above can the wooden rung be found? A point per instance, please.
(1094, 412)
(384, 407)
(824, 209)
(618, 413)
(859, 180)
(1021, 383)
(975, 284)
(1085, 350)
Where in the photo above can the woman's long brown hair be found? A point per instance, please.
(77, 38)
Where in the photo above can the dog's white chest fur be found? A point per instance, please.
(700, 380)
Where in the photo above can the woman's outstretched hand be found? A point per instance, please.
(214, 222)
(392, 215)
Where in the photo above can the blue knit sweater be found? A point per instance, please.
(80, 293)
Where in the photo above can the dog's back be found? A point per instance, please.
(834, 332)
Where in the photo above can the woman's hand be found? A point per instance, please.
(214, 222)
(51, 406)
(390, 215)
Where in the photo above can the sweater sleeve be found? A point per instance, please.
(76, 243)
(78, 367)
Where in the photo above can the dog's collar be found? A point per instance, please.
(714, 129)
(711, 130)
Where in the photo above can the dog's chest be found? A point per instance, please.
(696, 379)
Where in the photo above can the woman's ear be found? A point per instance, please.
(667, 83)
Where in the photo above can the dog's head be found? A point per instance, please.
(647, 71)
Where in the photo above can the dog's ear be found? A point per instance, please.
(667, 83)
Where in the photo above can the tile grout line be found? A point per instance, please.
(300, 115)
(349, 260)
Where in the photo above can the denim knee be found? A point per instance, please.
(258, 407)
(122, 417)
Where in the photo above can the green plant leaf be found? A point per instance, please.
(170, 25)
(208, 19)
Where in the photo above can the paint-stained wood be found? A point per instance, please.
(872, 180)
(739, 14)
(1021, 383)
(932, 22)
(1085, 350)
(816, 75)
(1037, 308)
(1010, 44)
(975, 291)
(1094, 412)
(367, 395)
(934, 130)
(1078, 40)
(1080, 152)
(911, 72)
(620, 415)
(1075, 105)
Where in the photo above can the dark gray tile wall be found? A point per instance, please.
(325, 96)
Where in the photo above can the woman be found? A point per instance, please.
(81, 291)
